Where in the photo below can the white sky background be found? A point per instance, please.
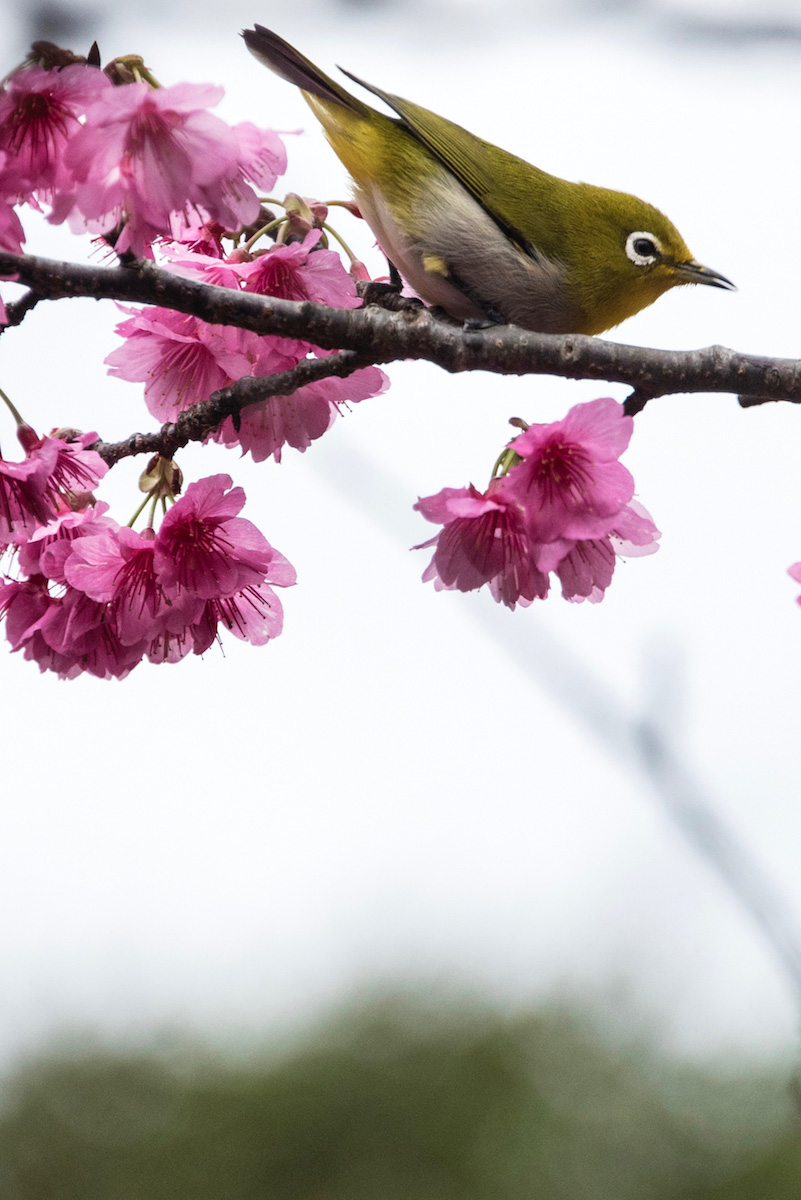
(383, 793)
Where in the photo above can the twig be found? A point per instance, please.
(17, 310)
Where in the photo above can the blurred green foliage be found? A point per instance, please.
(399, 1100)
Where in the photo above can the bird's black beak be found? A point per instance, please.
(694, 272)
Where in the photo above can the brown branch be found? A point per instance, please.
(197, 422)
(382, 337)
(17, 310)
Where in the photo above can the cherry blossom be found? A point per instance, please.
(483, 540)
(182, 360)
(262, 154)
(569, 481)
(39, 114)
(76, 469)
(300, 271)
(100, 598)
(565, 480)
(205, 549)
(24, 495)
(117, 568)
(145, 154)
(46, 550)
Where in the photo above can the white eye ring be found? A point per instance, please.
(635, 252)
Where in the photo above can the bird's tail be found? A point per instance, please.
(287, 62)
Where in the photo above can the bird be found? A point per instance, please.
(480, 233)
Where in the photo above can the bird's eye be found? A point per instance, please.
(643, 248)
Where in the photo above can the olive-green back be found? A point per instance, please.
(526, 203)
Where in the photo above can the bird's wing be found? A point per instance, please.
(483, 169)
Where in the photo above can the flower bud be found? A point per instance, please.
(161, 477)
(303, 216)
(352, 208)
(127, 69)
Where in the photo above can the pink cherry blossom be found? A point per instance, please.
(62, 628)
(77, 470)
(117, 568)
(195, 236)
(635, 533)
(32, 492)
(199, 264)
(23, 605)
(585, 567)
(585, 572)
(145, 155)
(262, 155)
(566, 481)
(182, 360)
(299, 272)
(39, 114)
(100, 598)
(24, 497)
(205, 549)
(253, 615)
(570, 482)
(78, 630)
(483, 540)
(45, 551)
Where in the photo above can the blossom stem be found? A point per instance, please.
(138, 512)
(341, 241)
(507, 459)
(261, 232)
(15, 414)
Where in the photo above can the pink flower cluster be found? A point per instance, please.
(181, 360)
(142, 164)
(104, 155)
(566, 506)
(98, 597)
(56, 475)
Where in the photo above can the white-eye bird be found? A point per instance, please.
(480, 232)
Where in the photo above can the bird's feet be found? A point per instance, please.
(489, 321)
(388, 295)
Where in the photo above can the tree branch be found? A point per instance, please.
(17, 310)
(381, 337)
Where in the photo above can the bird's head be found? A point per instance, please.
(623, 254)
